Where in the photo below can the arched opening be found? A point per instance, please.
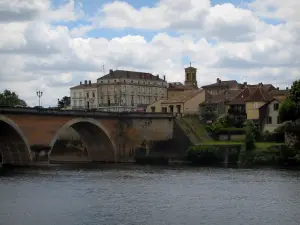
(14, 146)
(82, 140)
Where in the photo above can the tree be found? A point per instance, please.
(290, 108)
(65, 101)
(287, 110)
(11, 99)
(294, 93)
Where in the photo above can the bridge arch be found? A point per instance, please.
(14, 146)
(95, 137)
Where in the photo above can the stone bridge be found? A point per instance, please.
(106, 136)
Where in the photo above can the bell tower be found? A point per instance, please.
(190, 77)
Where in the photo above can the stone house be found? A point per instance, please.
(129, 90)
(185, 103)
(269, 113)
(220, 87)
(84, 95)
(216, 104)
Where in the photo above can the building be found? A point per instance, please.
(191, 77)
(257, 98)
(269, 116)
(176, 89)
(186, 103)
(220, 87)
(84, 95)
(269, 113)
(122, 90)
(215, 105)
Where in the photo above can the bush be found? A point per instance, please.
(213, 154)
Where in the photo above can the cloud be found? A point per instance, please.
(42, 51)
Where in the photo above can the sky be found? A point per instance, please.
(53, 45)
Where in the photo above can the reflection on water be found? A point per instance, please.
(150, 195)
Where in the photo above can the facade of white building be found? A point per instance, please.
(122, 90)
(84, 96)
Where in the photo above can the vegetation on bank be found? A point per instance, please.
(247, 153)
(249, 146)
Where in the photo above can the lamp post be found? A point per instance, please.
(39, 94)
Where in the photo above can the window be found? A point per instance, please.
(255, 105)
(74, 94)
(276, 106)
(80, 94)
(93, 94)
(269, 120)
(87, 95)
(278, 120)
(164, 109)
(153, 109)
(75, 103)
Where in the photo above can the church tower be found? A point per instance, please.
(190, 77)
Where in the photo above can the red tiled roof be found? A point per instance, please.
(259, 95)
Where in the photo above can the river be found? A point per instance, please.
(136, 195)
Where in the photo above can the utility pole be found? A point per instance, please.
(39, 94)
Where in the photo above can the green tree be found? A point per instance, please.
(65, 101)
(287, 110)
(11, 99)
(250, 136)
(294, 93)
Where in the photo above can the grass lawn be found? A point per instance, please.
(260, 145)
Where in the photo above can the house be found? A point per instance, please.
(186, 103)
(84, 95)
(176, 89)
(269, 112)
(220, 86)
(215, 105)
(280, 94)
(257, 98)
(156, 106)
(269, 115)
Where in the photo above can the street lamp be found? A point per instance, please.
(39, 94)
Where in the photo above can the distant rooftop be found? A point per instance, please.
(121, 74)
(84, 85)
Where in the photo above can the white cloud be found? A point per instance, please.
(35, 54)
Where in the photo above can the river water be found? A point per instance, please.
(134, 195)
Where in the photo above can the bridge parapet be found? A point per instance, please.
(80, 113)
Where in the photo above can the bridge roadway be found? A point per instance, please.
(107, 136)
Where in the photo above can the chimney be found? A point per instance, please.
(80, 83)
(85, 82)
(218, 81)
(277, 88)
(90, 83)
(164, 77)
(287, 88)
(157, 77)
(111, 71)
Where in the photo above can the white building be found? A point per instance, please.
(84, 96)
(122, 90)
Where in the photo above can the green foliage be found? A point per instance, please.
(208, 113)
(65, 101)
(294, 94)
(287, 111)
(212, 154)
(11, 99)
